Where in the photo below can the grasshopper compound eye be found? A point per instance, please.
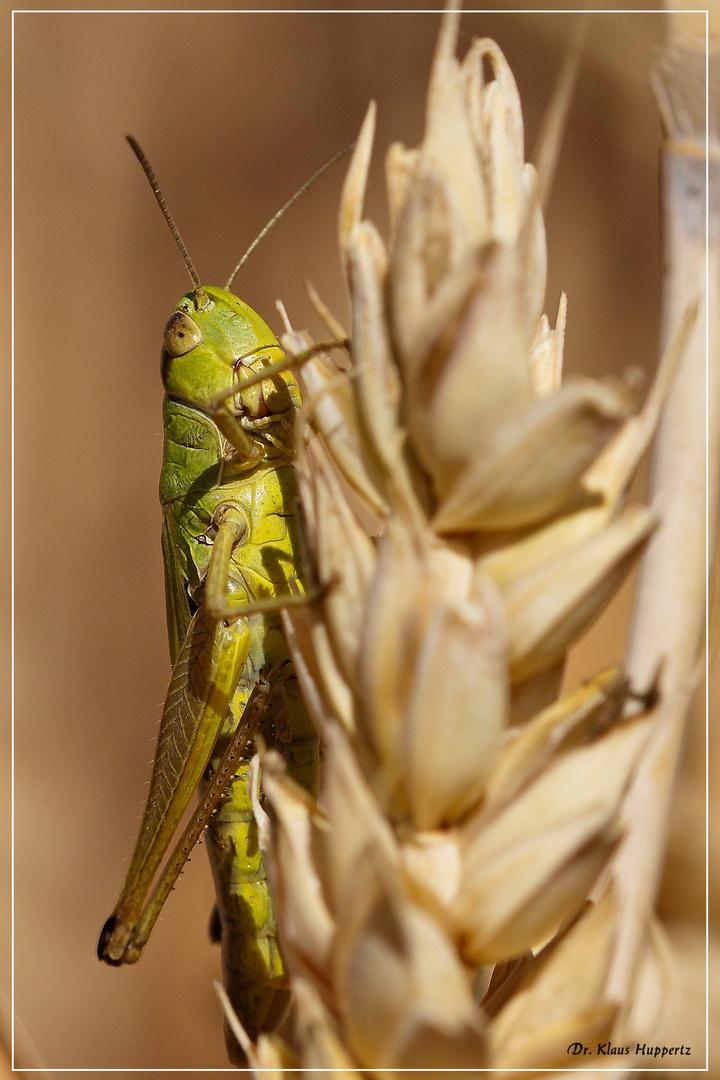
(181, 334)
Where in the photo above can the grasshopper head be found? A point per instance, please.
(210, 340)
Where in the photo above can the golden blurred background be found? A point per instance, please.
(235, 110)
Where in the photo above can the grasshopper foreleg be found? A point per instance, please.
(231, 528)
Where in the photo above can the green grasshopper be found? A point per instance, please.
(231, 550)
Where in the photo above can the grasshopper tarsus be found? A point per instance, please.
(104, 940)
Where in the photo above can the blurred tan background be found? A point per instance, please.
(235, 110)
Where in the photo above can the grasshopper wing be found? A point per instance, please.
(177, 605)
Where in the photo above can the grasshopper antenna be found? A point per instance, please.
(150, 173)
(276, 217)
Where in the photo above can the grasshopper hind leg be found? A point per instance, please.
(215, 926)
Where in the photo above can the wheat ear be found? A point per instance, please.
(454, 901)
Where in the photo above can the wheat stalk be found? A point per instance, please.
(666, 630)
(454, 902)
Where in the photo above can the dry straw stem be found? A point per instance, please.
(442, 906)
(670, 599)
